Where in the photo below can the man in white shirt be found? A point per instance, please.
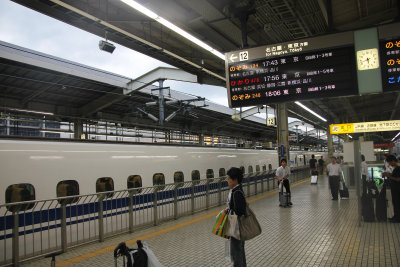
(388, 167)
(364, 173)
(282, 176)
(333, 170)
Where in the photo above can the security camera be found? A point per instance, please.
(106, 46)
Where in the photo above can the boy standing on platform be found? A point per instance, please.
(333, 170)
(282, 176)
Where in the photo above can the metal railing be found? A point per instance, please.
(58, 224)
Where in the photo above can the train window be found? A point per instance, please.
(242, 169)
(105, 184)
(159, 179)
(250, 169)
(210, 173)
(222, 172)
(18, 193)
(68, 188)
(264, 167)
(135, 181)
(270, 167)
(257, 168)
(196, 177)
(178, 178)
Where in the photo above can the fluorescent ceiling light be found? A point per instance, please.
(54, 131)
(397, 135)
(309, 110)
(172, 27)
(30, 111)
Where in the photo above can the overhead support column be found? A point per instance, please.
(330, 143)
(161, 101)
(78, 129)
(201, 139)
(283, 132)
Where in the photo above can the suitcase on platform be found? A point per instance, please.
(314, 179)
(284, 197)
(131, 257)
(381, 205)
(367, 208)
(344, 193)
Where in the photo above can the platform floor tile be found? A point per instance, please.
(315, 231)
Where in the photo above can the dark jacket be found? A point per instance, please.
(239, 207)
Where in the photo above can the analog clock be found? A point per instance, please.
(367, 59)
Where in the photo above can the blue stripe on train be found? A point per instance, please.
(30, 218)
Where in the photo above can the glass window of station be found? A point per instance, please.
(159, 179)
(196, 177)
(178, 178)
(19, 193)
(67, 188)
(135, 181)
(105, 184)
(210, 173)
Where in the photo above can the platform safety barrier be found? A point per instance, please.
(57, 224)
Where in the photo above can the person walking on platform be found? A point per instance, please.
(333, 170)
(237, 204)
(364, 174)
(313, 164)
(394, 186)
(282, 176)
(321, 164)
(388, 167)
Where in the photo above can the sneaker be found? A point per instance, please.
(290, 204)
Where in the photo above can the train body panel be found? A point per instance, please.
(45, 163)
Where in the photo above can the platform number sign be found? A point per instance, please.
(244, 55)
(270, 121)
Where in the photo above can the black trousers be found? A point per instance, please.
(364, 184)
(395, 189)
(286, 184)
(334, 185)
(237, 253)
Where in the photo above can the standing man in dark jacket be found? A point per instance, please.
(321, 164)
(394, 186)
(313, 164)
(237, 203)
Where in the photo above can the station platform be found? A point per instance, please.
(315, 231)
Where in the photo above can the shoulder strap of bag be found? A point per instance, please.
(247, 204)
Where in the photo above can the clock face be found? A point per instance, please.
(367, 59)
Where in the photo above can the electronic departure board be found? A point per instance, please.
(317, 74)
(390, 64)
(310, 68)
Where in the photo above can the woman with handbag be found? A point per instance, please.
(237, 204)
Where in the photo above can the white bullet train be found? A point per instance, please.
(37, 169)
